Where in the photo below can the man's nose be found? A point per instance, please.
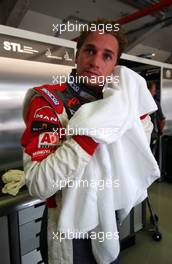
(95, 61)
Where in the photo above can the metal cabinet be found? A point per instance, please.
(20, 225)
(126, 231)
(24, 232)
(29, 231)
(4, 241)
(133, 223)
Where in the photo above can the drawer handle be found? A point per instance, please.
(40, 204)
(38, 234)
(38, 219)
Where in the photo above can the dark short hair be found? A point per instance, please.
(119, 35)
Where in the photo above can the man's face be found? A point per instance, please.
(153, 89)
(97, 57)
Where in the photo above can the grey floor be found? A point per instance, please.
(146, 250)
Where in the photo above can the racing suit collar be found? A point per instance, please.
(83, 90)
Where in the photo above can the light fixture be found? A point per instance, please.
(147, 55)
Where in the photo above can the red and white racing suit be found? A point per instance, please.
(50, 157)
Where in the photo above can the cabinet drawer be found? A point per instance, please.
(29, 236)
(33, 257)
(30, 214)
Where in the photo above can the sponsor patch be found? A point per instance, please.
(46, 113)
(51, 96)
(73, 101)
(41, 153)
(40, 126)
(45, 119)
(48, 139)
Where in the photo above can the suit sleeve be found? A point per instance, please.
(48, 156)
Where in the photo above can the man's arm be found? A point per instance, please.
(49, 158)
(160, 119)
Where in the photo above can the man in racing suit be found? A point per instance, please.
(50, 156)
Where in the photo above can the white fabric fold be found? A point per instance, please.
(123, 162)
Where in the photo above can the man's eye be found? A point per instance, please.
(107, 56)
(89, 51)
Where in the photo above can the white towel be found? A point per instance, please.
(122, 157)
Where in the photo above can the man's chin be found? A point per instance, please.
(93, 84)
